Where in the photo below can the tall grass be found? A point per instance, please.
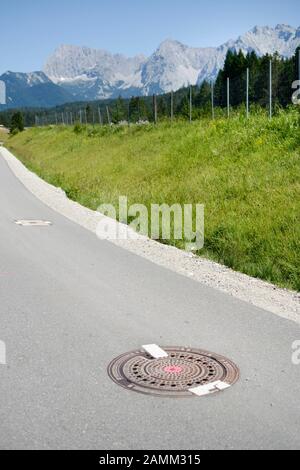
(246, 172)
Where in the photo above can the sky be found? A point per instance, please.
(30, 30)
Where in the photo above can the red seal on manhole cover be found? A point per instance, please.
(173, 369)
(184, 372)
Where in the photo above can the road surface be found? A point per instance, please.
(71, 303)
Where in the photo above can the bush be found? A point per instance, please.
(17, 123)
(78, 128)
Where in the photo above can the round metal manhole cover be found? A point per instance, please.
(183, 373)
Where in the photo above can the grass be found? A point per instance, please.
(3, 136)
(247, 173)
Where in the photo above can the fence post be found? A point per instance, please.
(100, 116)
(191, 105)
(62, 119)
(247, 94)
(299, 64)
(80, 116)
(128, 113)
(270, 90)
(155, 108)
(212, 101)
(108, 115)
(172, 105)
(228, 97)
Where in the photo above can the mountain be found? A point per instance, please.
(172, 66)
(32, 90)
(75, 73)
(95, 74)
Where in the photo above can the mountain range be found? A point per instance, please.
(75, 73)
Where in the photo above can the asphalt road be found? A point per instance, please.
(71, 303)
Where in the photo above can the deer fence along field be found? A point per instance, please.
(246, 84)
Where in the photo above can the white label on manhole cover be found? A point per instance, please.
(33, 223)
(155, 351)
(209, 388)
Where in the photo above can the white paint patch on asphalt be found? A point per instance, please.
(281, 302)
(33, 223)
(155, 351)
(2, 353)
(209, 388)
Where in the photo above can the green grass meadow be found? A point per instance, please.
(246, 172)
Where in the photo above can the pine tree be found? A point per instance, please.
(17, 122)
(119, 111)
(202, 98)
(134, 109)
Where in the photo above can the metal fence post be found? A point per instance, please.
(228, 97)
(155, 108)
(270, 91)
(247, 94)
(100, 116)
(191, 105)
(128, 112)
(212, 101)
(108, 115)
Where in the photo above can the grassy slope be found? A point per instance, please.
(246, 173)
(3, 136)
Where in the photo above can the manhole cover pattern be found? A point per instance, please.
(174, 375)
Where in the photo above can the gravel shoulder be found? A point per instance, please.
(281, 302)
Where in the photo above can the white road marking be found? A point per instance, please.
(33, 223)
(209, 388)
(155, 351)
(2, 353)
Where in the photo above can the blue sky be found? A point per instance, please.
(31, 29)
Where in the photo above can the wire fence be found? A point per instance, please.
(246, 91)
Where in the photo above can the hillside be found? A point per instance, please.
(246, 173)
(34, 89)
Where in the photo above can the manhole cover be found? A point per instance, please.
(33, 223)
(182, 373)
